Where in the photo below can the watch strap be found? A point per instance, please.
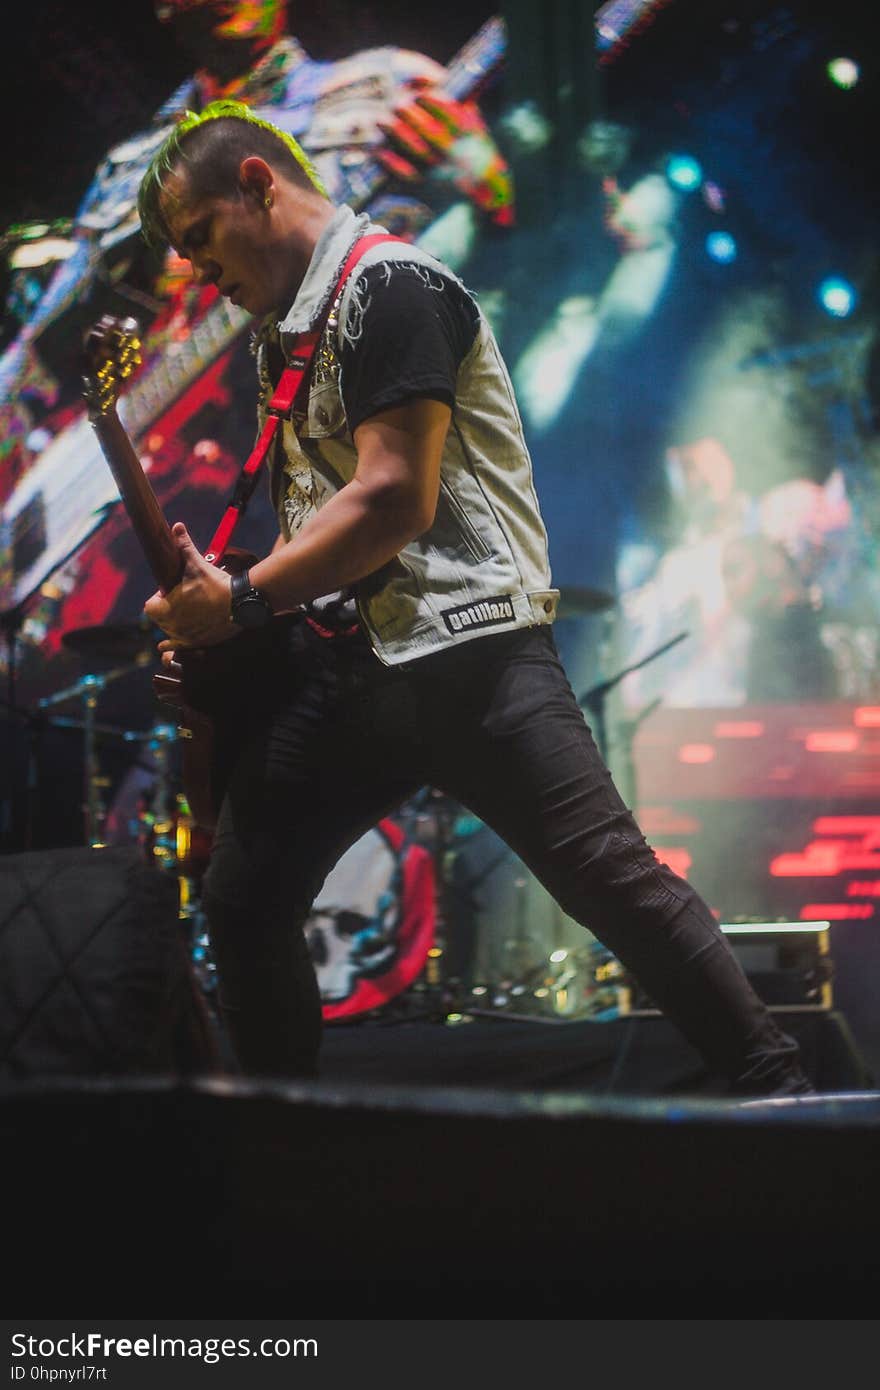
(240, 584)
(244, 596)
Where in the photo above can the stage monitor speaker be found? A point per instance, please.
(789, 964)
(95, 974)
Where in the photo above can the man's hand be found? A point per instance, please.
(195, 613)
(434, 130)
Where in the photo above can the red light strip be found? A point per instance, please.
(831, 741)
(740, 728)
(839, 912)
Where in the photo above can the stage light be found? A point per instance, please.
(843, 72)
(30, 255)
(683, 172)
(721, 247)
(837, 296)
(713, 196)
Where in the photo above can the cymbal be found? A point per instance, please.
(113, 641)
(578, 602)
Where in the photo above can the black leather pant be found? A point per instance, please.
(494, 724)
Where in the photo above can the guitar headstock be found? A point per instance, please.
(112, 354)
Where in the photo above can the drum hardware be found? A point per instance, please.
(148, 811)
(114, 642)
(568, 986)
(103, 642)
(130, 645)
(162, 821)
(89, 689)
(189, 861)
(173, 843)
(519, 963)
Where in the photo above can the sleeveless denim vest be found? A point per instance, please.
(482, 566)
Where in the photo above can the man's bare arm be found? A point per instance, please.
(390, 500)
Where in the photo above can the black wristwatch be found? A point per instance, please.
(249, 607)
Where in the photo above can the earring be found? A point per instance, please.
(267, 201)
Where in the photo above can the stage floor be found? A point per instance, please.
(628, 1055)
(488, 1166)
(364, 1198)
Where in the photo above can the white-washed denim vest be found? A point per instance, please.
(482, 566)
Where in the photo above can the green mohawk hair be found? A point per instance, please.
(170, 152)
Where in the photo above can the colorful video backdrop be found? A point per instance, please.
(687, 301)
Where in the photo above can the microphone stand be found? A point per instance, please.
(594, 698)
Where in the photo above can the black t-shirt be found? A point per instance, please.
(415, 331)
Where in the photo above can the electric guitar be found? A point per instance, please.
(201, 686)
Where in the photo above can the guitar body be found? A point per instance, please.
(217, 695)
(193, 687)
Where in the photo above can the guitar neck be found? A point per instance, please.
(477, 62)
(146, 516)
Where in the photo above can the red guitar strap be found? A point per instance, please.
(292, 378)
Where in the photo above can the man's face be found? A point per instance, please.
(228, 241)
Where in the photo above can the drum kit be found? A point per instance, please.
(429, 914)
(110, 651)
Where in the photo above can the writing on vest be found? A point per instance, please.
(483, 614)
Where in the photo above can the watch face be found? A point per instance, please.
(251, 611)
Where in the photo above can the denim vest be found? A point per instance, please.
(482, 566)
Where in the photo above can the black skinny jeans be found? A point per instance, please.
(494, 724)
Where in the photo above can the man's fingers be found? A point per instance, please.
(440, 134)
(456, 117)
(398, 166)
(408, 140)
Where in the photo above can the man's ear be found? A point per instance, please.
(257, 180)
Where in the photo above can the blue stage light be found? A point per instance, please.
(837, 296)
(683, 171)
(721, 247)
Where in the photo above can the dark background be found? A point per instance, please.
(76, 78)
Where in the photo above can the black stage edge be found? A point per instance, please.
(221, 1197)
(628, 1055)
